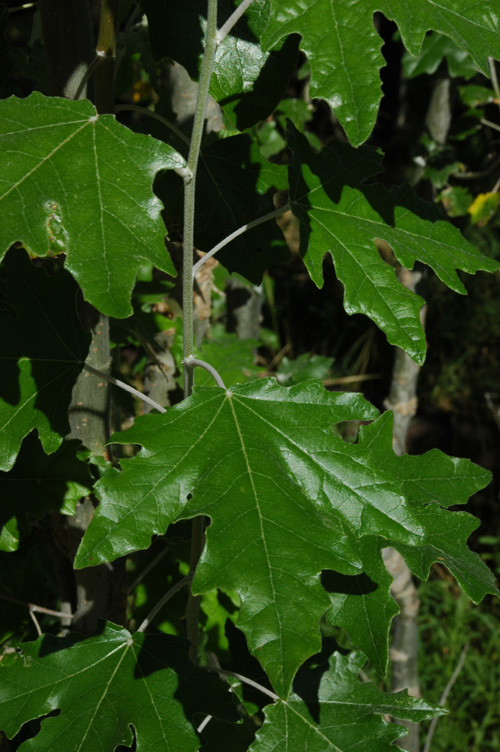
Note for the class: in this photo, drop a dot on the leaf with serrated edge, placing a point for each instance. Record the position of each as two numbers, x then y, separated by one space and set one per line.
263 462
430 482
331 710
77 183
42 350
343 47
103 685
39 482
340 215
362 604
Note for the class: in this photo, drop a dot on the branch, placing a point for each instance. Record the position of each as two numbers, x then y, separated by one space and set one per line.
494 78
93 65
445 694
237 233
193 362
190 188
232 20
198 525
22 7
147 570
125 387
490 124
245 680
34 607
173 590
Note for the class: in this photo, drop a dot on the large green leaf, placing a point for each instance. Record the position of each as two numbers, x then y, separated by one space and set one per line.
39 482
430 482
77 183
331 710
362 604
42 350
103 685
234 185
247 82
284 493
339 214
343 47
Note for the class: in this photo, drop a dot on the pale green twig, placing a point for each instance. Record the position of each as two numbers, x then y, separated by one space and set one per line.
494 78
232 20
124 386
191 361
237 233
445 694
173 590
190 189
245 680
490 124
91 68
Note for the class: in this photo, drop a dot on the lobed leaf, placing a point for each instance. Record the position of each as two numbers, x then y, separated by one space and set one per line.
362 604
430 482
344 50
339 214
77 183
286 497
103 686
331 710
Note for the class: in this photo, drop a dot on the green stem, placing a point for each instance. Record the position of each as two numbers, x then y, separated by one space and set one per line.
494 78
192 361
173 590
190 190
233 20
81 86
126 387
237 233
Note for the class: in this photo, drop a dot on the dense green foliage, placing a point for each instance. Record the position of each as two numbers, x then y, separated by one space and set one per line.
290 518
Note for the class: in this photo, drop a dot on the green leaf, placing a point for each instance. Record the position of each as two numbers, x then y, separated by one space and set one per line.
339 214
77 183
434 49
456 200
105 684
42 350
344 49
37 483
282 490
234 185
247 82
232 358
303 368
430 482
362 604
331 710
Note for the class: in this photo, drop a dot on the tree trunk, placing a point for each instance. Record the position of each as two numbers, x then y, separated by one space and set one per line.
98 592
